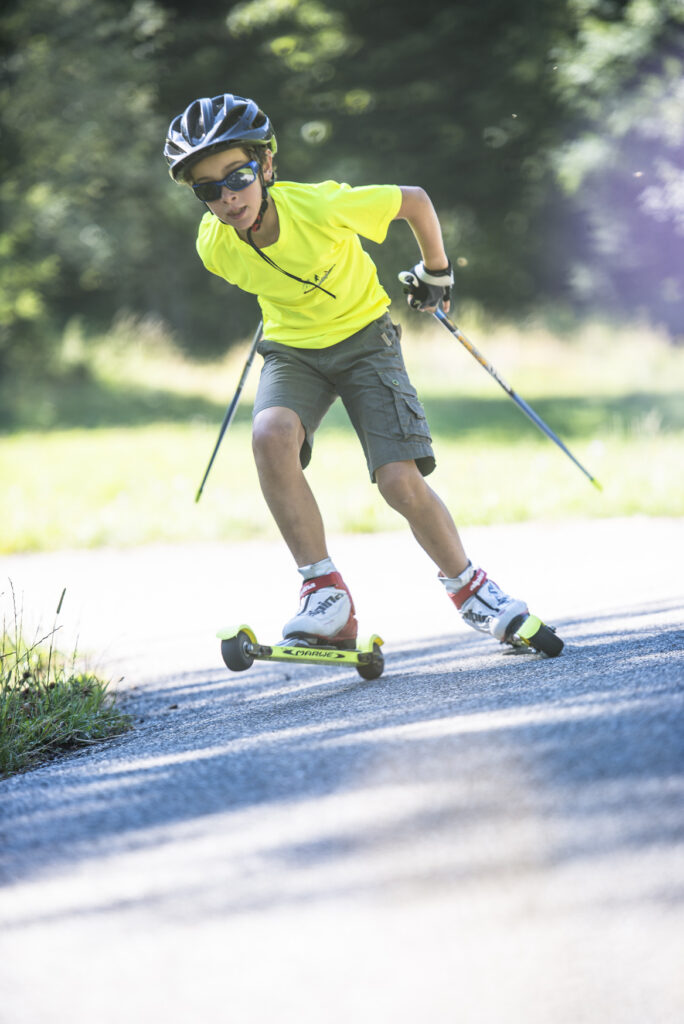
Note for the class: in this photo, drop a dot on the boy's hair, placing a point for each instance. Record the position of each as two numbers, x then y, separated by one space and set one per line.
258 153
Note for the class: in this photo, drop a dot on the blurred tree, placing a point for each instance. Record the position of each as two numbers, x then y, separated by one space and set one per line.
79 132
548 133
357 93
621 78
457 98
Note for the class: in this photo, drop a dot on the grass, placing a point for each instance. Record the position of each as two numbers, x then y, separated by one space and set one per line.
113 453
48 706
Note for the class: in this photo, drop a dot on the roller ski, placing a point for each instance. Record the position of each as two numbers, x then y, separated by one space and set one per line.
486 608
323 632
240 649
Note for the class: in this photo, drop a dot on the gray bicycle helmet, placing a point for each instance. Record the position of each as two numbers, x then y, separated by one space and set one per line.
212 124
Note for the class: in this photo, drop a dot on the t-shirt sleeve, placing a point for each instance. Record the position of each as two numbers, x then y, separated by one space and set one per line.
367 210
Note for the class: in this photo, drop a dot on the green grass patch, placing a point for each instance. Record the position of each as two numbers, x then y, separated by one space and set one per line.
48 706
124 441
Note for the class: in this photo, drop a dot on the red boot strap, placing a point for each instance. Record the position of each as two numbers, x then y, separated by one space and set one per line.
462 595
333 579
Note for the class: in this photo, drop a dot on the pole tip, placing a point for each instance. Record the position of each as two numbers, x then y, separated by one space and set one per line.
596 484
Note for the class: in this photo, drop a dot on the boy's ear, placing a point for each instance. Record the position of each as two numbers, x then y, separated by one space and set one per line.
268 164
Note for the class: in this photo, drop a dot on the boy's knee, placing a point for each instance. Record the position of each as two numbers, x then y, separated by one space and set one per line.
277 433
400 484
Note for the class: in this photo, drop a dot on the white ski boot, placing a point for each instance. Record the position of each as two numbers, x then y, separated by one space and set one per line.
483 605
326 614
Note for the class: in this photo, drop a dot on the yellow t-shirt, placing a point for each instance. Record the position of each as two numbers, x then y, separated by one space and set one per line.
318 241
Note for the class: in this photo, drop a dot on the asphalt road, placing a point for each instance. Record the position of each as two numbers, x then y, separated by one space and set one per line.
475 837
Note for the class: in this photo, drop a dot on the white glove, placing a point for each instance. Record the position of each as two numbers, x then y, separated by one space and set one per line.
426 288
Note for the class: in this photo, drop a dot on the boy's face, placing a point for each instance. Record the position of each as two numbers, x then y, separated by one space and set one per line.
239 209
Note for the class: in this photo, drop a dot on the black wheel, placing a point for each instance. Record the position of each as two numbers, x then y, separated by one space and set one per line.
235 654
372 669
546 641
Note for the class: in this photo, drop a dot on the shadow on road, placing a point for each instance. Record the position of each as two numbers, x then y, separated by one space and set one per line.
301 784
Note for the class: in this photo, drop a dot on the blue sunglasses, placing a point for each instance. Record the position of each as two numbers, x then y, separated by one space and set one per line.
241 177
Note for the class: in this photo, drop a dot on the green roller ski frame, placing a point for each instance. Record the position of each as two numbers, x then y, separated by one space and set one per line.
240 649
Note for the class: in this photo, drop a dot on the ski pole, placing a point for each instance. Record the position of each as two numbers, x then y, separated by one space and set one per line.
440 315
230 411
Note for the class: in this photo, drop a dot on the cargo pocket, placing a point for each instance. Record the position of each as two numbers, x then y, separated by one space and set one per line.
407 416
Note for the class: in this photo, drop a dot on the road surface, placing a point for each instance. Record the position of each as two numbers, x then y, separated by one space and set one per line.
475 837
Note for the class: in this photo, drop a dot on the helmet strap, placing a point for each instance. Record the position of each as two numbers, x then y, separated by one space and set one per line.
264 201
262 209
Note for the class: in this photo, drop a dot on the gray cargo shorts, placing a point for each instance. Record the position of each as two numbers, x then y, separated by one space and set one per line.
367 372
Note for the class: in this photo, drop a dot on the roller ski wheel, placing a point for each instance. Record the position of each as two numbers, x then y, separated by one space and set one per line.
240 649
530 633
236 652
374 667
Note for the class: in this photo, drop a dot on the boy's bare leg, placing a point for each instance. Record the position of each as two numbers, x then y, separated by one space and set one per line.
404 488
276 441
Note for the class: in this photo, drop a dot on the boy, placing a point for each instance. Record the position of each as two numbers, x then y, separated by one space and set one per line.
327 332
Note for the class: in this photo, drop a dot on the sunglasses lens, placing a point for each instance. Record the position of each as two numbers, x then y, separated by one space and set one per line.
241 177
208 192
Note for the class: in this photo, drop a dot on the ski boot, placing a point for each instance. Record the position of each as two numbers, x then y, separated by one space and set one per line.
326 615
486 608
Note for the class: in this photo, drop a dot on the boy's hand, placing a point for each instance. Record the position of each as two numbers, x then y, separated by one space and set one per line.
426 288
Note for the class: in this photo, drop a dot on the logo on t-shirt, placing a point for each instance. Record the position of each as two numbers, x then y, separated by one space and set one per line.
321 279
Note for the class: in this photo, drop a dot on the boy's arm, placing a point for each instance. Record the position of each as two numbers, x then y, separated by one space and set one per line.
417 209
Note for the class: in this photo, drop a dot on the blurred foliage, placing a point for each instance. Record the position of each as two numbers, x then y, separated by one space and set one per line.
622 74
548 132
81 212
